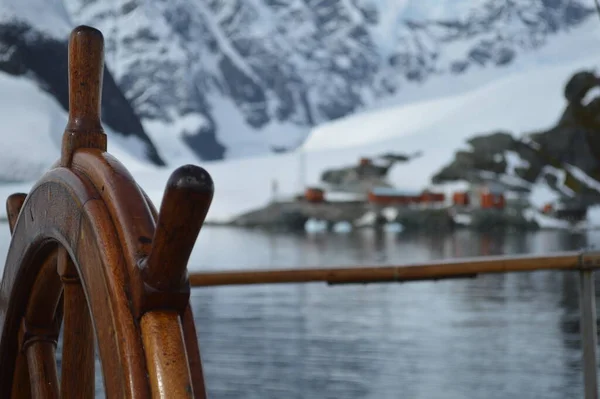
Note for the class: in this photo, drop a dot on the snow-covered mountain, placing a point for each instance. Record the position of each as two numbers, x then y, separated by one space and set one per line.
518 104
226 78
521 102
33 44
241 77
33 122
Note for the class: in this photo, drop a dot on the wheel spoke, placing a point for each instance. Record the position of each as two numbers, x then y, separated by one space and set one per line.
43 377
86 253
21 384
39 331
166 358
77 374
13 206
193 351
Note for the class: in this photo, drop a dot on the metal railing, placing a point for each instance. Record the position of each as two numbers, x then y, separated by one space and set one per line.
584 262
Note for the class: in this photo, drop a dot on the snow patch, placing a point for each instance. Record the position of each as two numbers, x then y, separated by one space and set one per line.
232 132
47 16
475 103
34 123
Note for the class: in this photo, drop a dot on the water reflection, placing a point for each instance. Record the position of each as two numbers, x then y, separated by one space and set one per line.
496 336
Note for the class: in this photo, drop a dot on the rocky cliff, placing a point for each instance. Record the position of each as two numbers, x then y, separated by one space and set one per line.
565 157
27 51
253 76
225 78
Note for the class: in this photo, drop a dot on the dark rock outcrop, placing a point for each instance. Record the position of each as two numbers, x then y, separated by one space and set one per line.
572 147
303 62
45 59
575 139
490 220
294 214
362 176
486 153
430 220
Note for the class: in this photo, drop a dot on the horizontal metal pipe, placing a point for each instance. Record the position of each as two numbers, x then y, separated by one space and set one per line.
468 267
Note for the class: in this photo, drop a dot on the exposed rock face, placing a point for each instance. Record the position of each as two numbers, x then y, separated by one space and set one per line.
288 65
28 52
431 220
489 220
218 78
486 153
572 147
362 177
575 139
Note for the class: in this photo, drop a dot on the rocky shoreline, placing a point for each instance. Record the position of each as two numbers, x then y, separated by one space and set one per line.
294 215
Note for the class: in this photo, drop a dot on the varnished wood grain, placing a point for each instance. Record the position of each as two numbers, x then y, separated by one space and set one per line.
79 222
14 203
42 369
86 70
80 247
134 222
182 212
88 246
193 352
166 356
39 330
422 271
21 384
45 295
77 376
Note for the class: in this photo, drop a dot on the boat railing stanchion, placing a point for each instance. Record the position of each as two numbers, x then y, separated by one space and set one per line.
589 340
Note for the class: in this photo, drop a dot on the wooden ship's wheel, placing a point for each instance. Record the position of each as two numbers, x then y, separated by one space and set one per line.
89 253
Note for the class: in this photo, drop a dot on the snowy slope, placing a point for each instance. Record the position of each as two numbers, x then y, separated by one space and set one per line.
33 46
33 123
438 128
214 78
453 118
572 47
517 98
48 16
249 77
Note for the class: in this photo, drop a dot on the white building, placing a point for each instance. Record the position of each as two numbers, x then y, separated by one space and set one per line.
478 189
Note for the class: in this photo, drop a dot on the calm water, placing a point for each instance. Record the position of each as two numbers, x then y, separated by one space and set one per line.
497 336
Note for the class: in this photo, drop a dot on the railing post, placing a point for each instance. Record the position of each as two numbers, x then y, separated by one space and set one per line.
587 305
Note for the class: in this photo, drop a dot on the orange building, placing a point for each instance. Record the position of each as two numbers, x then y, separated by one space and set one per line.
460 198
390 196
312 194
490 200
431 197
488 195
